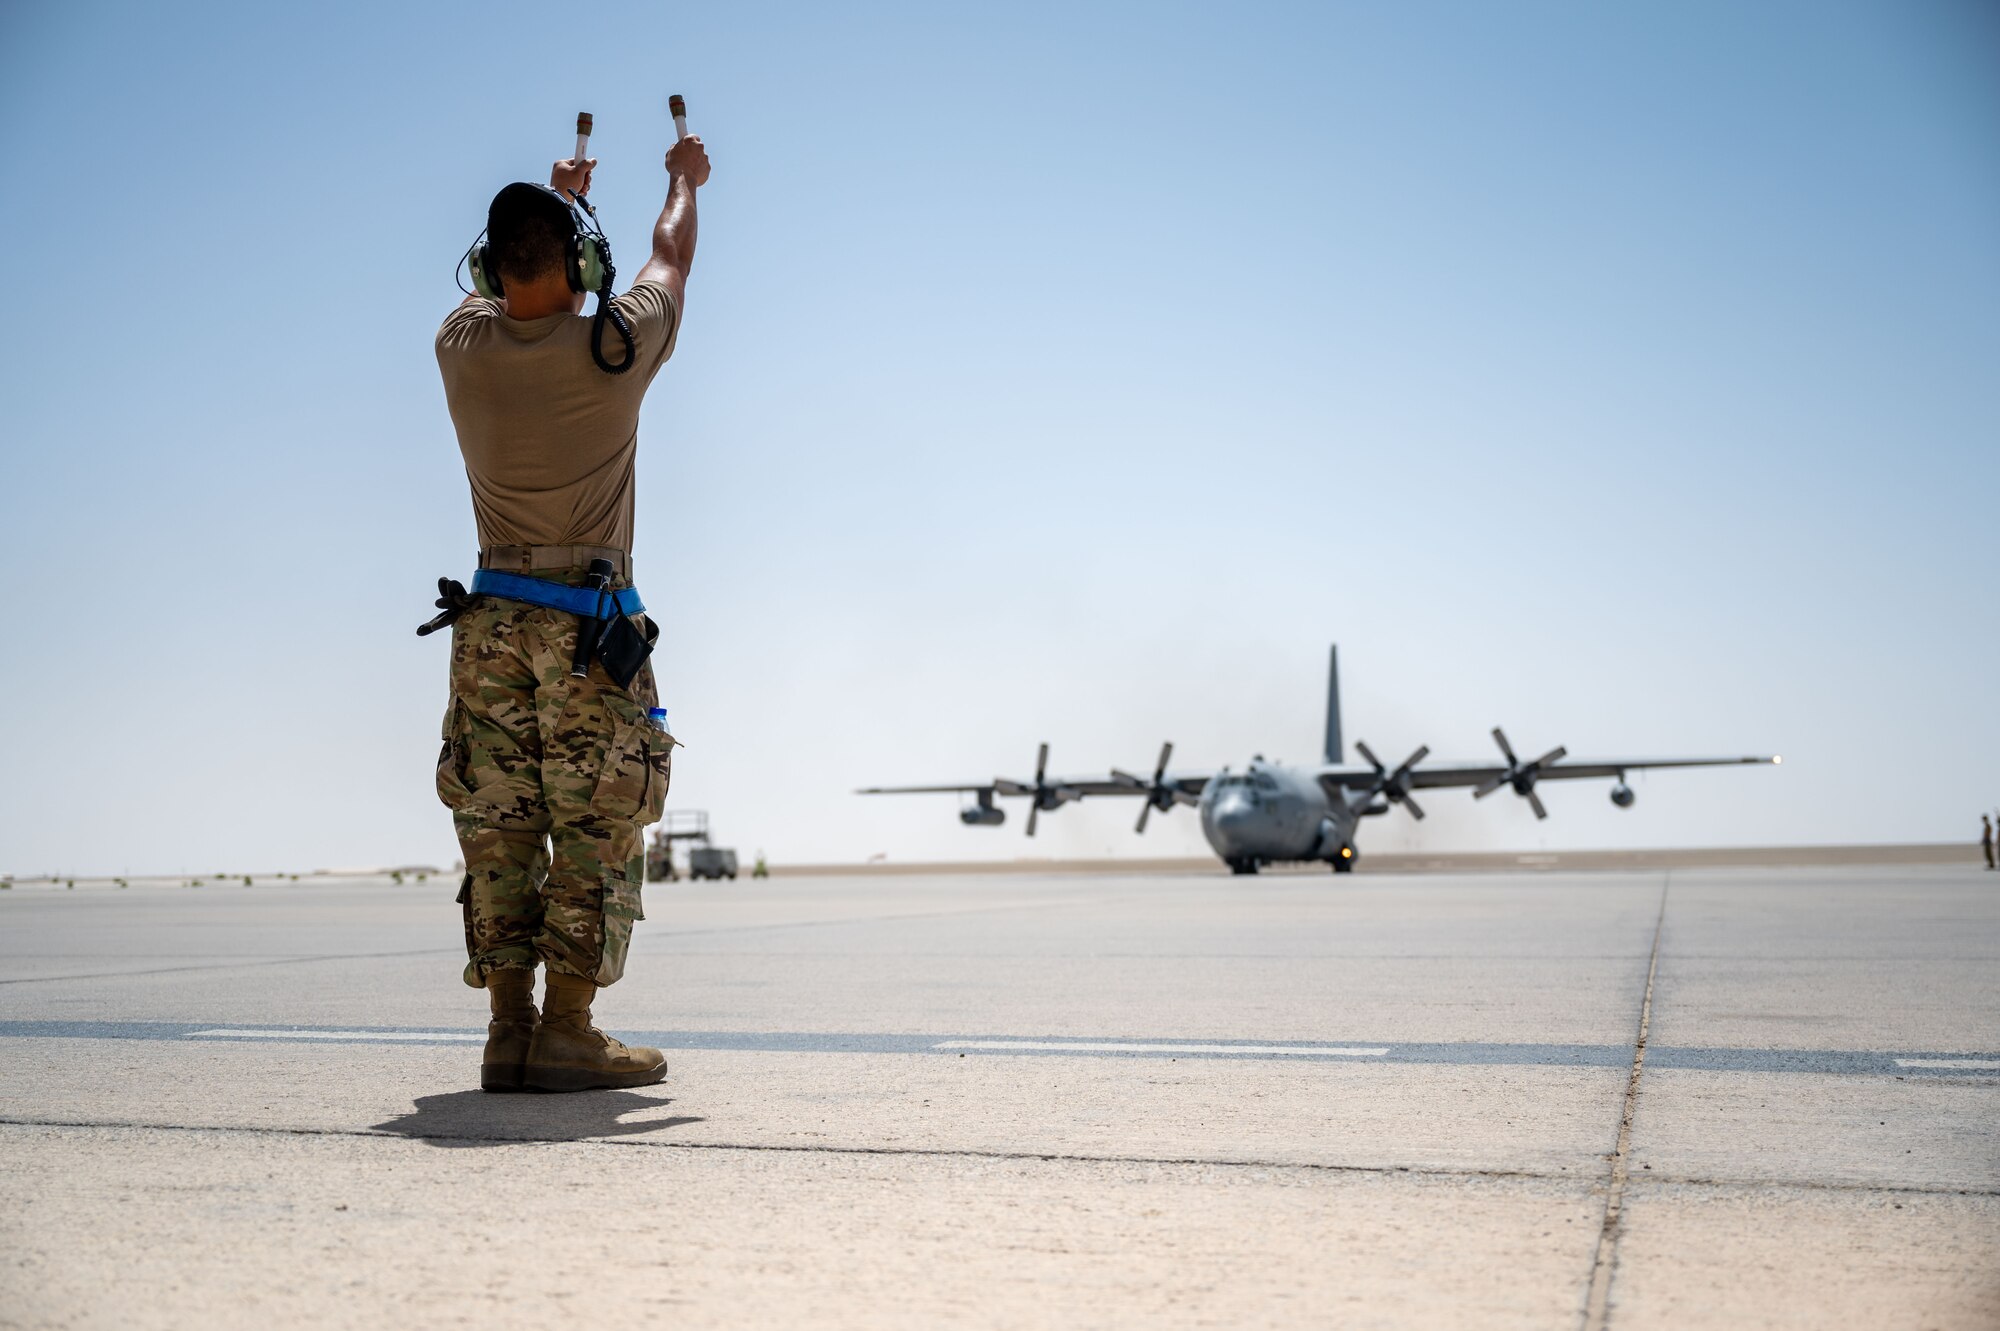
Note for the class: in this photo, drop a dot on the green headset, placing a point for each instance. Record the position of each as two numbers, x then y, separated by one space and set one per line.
586 265
583 258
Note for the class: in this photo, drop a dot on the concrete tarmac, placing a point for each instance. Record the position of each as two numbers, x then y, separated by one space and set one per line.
1699 1098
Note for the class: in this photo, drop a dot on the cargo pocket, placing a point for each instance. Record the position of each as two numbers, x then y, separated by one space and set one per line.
660 757
472 976
638 767
621 909
452 789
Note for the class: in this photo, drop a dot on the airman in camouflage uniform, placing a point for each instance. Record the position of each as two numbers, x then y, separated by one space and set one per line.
551 777
549 780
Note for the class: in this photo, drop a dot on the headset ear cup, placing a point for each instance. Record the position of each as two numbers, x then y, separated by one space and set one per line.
485 278
589 264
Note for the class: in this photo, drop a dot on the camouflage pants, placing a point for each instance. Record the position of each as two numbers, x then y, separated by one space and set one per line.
549 780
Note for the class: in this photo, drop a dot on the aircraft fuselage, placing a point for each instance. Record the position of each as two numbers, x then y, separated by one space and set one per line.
1270 812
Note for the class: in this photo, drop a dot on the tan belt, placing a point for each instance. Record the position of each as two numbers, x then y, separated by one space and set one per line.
530 558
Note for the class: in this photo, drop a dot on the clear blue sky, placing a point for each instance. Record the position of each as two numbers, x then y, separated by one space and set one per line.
1624 374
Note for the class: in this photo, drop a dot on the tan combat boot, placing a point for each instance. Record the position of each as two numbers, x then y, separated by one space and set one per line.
512 993
569 1054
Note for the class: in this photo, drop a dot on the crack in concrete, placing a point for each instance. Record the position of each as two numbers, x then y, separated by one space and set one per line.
1603 1265
1045 1157
920 1152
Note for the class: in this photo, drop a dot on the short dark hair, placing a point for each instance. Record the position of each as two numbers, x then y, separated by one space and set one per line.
528 233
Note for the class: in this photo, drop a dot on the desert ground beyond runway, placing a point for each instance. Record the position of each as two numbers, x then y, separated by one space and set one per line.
1689 1098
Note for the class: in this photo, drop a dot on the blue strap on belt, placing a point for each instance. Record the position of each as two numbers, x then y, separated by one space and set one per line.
555 595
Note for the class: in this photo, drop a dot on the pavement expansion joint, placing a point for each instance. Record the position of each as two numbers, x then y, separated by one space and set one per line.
907 1152
1597 1296
1648 1182
1657 1180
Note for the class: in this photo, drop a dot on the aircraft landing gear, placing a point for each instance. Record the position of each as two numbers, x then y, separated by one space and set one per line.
1243 866
1344 862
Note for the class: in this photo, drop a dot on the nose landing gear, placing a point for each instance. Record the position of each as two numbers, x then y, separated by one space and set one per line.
1243 866
1343 860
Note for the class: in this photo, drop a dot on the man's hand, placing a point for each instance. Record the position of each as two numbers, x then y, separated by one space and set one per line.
570 176
688 159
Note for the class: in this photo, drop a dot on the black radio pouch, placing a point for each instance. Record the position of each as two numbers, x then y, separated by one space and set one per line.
622 649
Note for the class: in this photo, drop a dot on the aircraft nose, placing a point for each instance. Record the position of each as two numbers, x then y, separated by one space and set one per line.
1231 814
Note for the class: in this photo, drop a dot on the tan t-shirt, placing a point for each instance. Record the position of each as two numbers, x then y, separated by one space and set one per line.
549 439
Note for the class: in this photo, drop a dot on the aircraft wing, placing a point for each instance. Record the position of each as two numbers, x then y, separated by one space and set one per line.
1352 776
1073 787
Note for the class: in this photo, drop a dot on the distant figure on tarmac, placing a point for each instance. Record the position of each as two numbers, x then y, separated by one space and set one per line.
1986 838
552 764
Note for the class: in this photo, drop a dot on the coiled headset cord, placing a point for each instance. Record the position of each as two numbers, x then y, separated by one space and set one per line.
605 309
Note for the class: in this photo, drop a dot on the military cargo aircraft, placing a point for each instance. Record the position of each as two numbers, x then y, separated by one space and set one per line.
1274 812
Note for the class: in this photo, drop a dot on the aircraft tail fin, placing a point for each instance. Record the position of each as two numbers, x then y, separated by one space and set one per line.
1333 705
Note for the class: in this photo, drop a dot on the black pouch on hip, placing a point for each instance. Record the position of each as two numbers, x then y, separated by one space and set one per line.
622 649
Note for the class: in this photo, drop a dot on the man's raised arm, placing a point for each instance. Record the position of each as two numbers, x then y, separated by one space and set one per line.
674 233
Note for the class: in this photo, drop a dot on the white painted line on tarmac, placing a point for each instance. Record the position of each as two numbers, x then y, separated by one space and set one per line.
223 1033
1958 1064
1108 1047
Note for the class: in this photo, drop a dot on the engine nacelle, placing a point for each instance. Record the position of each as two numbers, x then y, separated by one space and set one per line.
982 815
1622 796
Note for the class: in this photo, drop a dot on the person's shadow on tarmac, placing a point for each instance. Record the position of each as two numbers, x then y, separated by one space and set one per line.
478 1118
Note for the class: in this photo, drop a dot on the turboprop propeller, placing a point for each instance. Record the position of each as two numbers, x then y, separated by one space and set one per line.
1521 776
1393 786
1160 794
1043 795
